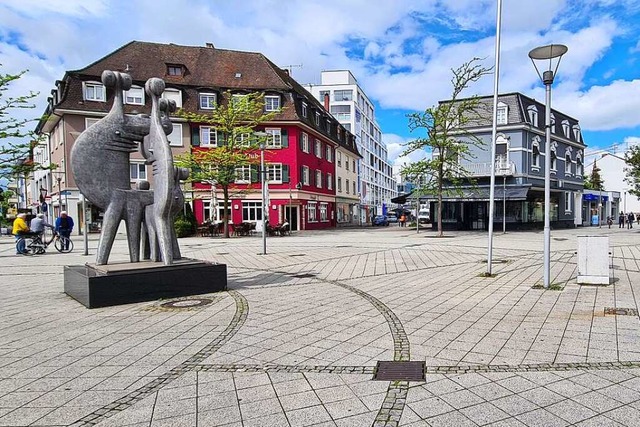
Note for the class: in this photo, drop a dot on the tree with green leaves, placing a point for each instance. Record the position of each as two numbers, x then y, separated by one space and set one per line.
632 171
594 181
235 147
16 142
444 126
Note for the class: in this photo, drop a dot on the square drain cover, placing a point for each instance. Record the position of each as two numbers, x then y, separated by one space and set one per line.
621 311
399 371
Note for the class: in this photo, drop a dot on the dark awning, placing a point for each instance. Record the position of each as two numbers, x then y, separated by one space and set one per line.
401 199
482 194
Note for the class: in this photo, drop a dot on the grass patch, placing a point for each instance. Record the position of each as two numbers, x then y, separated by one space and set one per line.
552 287
485 274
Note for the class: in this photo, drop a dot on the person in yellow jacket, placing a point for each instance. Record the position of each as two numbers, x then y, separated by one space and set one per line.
20 228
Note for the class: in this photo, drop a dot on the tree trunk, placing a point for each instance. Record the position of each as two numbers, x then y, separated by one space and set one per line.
225 204
440 231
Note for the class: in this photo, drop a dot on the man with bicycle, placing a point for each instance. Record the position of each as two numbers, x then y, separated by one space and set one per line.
64 227
38 224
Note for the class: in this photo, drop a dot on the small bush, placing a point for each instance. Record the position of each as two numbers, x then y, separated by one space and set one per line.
183 227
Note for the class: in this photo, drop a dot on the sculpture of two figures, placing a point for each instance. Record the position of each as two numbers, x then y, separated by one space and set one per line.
100 166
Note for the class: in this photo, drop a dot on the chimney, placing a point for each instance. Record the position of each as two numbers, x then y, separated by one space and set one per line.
286 70
326 101
209 45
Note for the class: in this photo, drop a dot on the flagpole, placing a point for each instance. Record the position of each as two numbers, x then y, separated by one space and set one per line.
494 128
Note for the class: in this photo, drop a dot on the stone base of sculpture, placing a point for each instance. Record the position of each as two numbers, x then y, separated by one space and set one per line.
116 284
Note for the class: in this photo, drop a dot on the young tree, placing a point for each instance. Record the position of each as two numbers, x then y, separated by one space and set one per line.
446 138
632 158
234 122
594 181
16 142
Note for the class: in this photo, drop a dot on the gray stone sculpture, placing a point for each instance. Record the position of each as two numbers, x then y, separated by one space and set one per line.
100 166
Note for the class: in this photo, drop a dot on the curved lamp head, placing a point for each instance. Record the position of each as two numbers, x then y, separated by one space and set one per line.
549 52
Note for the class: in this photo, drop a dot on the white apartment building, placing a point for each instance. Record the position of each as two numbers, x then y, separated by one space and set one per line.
350 105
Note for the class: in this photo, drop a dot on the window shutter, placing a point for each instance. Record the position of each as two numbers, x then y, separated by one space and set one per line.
195 136
301 179
220 140
300 141
285 173
285 138
254 173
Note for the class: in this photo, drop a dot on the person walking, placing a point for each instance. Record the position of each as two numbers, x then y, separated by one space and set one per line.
630 218
64 227
638 218
621 220
403 219
20 229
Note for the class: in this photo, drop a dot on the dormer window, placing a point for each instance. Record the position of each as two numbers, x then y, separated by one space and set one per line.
503 110
271 103
317 118
175 70
94 91
134 96
576 133
565 128
304 109
532 110
207 101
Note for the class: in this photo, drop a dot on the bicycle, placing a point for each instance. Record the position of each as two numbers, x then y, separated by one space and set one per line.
37 243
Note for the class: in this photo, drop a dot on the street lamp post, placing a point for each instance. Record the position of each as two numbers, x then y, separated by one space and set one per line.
547 53
265 209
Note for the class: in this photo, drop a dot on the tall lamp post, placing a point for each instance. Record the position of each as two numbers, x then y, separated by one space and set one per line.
547 53
263 185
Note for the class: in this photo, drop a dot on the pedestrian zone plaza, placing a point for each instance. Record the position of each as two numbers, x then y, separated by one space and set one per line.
354 327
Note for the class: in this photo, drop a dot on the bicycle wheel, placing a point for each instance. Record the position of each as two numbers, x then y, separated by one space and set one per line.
62 242
27 244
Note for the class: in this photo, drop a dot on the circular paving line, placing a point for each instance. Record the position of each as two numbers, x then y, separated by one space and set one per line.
125 402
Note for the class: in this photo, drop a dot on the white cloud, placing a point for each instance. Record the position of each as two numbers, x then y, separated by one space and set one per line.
396 146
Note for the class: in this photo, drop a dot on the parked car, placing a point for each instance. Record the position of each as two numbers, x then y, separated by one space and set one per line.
424 217
392 218
380 220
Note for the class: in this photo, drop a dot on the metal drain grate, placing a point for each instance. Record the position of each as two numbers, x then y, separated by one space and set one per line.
187 303
303 275
399 371
620 311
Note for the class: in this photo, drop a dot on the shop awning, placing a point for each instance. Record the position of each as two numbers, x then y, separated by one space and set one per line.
401 199
482 194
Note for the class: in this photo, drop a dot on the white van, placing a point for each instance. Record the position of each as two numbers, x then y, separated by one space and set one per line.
424 216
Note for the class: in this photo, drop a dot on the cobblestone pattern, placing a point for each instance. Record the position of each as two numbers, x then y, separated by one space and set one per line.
538 367
394 401
330 369
240 316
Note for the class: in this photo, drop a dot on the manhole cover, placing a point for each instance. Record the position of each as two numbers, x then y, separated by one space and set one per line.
399 371
303 275
621 311
187 303
297 255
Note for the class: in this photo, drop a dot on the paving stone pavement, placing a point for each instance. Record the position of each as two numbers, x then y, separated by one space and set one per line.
296 339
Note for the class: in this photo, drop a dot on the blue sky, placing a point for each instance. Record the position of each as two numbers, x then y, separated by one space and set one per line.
401 52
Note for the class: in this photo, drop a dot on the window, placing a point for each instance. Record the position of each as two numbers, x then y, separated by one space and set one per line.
134 96
94 91
568 195
346 185
137 171
354 187
565 128
535 149
317 119
243 174
341 112
271 103
312 213
243 140
274 173
339 159
318 178
208 101
502 148
343 95
329 154
579 168
318 149
323 212
502 118
174 95
252 211
238 100
323 93
174 70
304 109
553 123
554 158
346 162
329 181
347 126
339 185
305 142
274 137
576 133
567 163
88 122
353 164
305 175
208 136
532 110
175 137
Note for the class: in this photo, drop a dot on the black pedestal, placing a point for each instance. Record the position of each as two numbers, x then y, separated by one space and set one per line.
115 284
